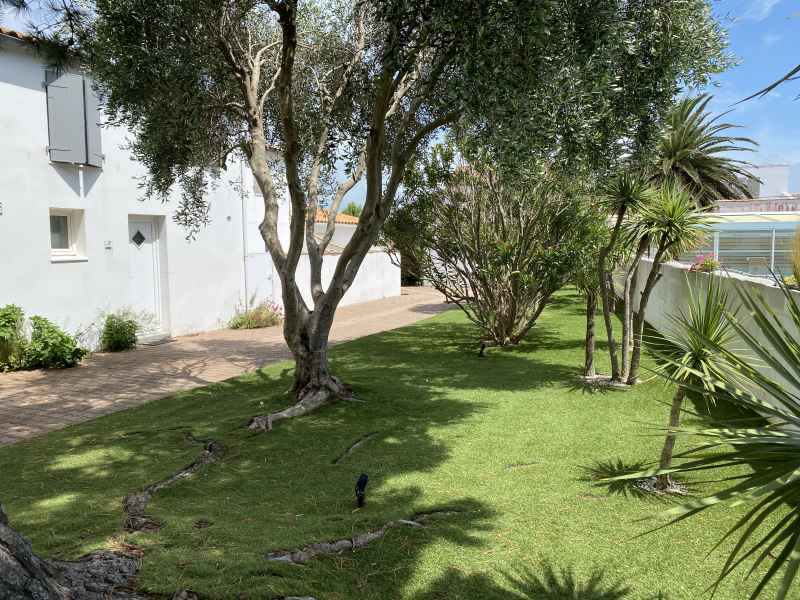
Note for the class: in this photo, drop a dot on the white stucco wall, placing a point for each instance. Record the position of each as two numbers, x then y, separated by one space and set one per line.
671 294
202 281
73 293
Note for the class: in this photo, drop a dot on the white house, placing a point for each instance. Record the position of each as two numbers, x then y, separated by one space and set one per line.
77 238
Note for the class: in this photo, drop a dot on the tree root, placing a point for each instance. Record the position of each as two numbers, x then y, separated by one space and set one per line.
353 447
135 503
305 554
311 398
96 576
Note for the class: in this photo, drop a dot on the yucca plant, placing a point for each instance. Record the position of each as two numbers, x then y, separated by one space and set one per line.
671 224
768 382
688 348
623 195
693 149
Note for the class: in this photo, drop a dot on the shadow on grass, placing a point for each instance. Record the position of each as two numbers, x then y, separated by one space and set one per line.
548 583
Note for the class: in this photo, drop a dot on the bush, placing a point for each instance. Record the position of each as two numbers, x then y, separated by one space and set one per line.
50 347
705 263
12 339
263 315
119 333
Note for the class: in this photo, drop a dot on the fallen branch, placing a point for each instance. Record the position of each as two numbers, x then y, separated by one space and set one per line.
303 555
135 503
354 446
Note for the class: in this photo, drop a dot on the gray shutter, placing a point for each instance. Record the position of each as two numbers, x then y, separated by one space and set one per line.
66 117
94 149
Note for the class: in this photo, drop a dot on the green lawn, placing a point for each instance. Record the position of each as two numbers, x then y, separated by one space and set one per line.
502 439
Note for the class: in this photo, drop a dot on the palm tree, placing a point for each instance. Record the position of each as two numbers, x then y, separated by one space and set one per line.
672 224
688 349
767 382
693 149
623 195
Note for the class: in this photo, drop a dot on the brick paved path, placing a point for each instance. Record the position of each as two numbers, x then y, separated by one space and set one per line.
34 402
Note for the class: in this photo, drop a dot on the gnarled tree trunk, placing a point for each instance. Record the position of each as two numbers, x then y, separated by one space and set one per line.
26 576
627 305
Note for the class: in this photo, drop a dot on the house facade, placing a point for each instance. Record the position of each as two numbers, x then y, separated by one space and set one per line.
78 239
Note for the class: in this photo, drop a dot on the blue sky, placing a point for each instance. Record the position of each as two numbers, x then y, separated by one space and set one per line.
764 36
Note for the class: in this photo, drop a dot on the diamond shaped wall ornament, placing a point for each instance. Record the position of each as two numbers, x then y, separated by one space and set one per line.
138 238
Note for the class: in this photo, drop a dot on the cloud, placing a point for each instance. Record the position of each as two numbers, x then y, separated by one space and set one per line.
759 9
770 39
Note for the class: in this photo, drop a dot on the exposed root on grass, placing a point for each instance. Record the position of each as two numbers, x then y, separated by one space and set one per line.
354 446
305 554
135 503
311 398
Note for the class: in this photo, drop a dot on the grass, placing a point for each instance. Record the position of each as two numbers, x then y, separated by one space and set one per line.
502 439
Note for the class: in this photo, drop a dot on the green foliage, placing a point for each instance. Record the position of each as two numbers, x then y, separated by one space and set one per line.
705 263
119 332
764 379
352 209
695 333
497 247
266 314
50 347
672 220
694 149
12 339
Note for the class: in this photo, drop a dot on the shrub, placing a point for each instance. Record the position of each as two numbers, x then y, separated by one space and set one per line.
50 347
12 339
266 314
119 332
705 263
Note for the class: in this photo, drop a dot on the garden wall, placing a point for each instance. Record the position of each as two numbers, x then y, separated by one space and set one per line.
671 296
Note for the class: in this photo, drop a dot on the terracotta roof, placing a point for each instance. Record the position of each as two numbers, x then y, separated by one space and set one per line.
23 37
341 218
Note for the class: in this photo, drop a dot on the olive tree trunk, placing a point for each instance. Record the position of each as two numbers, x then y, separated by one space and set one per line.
26 576
664 481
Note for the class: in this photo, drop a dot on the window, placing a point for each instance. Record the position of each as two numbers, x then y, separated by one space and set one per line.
59 232
73 120
66 235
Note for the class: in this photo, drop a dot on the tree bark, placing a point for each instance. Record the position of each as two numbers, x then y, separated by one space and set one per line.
26 576
639 317
314 384
665 481
605 294
631 276
591 309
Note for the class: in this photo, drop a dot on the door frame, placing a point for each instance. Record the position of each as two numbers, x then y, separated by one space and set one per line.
159 272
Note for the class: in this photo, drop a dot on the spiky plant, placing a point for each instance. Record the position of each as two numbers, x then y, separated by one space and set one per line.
693 149
766 381
688 348
671 225
623 195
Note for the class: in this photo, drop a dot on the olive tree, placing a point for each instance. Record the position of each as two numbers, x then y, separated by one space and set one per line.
301 87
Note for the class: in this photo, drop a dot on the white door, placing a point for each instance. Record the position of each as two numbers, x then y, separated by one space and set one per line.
143 274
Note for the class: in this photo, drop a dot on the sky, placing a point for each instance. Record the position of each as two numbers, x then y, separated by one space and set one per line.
764 37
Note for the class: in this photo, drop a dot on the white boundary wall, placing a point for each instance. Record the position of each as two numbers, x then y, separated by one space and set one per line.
671 296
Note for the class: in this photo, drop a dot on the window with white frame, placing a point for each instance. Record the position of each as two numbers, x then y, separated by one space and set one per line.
66 234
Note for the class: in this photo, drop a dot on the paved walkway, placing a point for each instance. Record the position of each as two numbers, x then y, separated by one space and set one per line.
35 402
